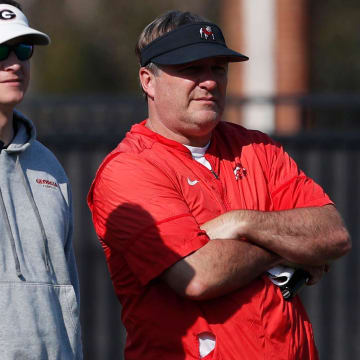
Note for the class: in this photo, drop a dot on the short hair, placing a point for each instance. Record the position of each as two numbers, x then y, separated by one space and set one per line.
11 2
161 25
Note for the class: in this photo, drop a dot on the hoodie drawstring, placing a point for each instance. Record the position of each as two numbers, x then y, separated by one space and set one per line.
11 236
37 214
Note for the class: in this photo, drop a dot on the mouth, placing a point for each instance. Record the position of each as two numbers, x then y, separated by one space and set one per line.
12 82
207 103
207 99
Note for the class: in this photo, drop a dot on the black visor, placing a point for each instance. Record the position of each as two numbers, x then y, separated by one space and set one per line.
189 43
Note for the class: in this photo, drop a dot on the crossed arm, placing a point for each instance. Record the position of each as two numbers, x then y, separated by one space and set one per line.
246 243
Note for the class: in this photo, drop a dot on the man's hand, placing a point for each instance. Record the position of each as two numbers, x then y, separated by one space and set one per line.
247 243
309 236
225 226
316 273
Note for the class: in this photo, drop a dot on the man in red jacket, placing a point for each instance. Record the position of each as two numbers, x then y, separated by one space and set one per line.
201 220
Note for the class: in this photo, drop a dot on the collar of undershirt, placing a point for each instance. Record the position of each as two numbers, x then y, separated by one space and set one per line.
198 152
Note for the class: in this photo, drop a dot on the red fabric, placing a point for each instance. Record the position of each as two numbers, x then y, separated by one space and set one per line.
147 217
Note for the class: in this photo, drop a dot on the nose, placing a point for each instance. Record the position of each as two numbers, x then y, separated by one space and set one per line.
12 63
208 80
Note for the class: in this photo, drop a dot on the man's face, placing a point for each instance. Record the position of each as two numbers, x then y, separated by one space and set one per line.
14 79
189 99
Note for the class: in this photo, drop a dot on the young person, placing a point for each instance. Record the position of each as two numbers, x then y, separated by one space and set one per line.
39 290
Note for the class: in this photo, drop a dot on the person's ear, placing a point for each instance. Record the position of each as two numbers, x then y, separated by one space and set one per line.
147 80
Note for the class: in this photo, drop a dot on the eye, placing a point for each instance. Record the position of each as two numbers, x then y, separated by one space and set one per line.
191 69
220 69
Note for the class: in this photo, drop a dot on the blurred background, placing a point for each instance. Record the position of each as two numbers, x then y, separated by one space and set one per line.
301 85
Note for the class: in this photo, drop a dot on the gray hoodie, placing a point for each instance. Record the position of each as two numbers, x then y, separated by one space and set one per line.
39 291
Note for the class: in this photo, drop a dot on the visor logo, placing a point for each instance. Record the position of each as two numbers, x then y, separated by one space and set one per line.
206 32
7 15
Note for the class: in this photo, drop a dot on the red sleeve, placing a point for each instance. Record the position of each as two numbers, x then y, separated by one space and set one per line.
139 212
290 187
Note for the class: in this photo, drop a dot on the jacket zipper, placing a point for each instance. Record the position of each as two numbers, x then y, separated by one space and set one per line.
225 203
215 174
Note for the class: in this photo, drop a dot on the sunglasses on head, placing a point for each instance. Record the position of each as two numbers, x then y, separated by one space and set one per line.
22 51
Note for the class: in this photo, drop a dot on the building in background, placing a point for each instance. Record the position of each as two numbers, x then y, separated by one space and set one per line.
303 72
274 35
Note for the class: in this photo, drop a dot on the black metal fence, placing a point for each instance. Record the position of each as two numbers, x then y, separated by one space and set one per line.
82 131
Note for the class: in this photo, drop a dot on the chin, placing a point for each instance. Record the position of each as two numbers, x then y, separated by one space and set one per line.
206 126
11 100
209 118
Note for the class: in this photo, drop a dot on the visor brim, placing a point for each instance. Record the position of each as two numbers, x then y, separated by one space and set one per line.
197 52
10 32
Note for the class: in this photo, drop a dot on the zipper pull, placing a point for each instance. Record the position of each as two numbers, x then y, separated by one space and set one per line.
214 173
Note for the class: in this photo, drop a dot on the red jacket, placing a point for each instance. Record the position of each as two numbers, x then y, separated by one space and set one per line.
148 200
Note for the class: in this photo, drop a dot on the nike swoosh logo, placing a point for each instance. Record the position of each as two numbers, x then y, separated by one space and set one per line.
192 183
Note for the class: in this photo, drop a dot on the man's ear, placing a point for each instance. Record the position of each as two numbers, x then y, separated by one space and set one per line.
147 80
